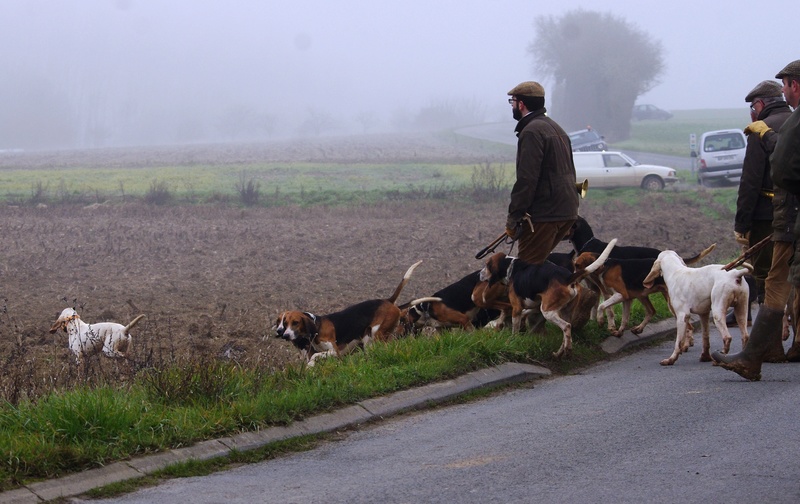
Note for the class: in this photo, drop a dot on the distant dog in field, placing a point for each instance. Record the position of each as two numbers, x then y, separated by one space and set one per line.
86 340
340 332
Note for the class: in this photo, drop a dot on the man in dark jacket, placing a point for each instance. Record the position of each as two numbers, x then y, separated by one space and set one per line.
754 212
785 167
544 199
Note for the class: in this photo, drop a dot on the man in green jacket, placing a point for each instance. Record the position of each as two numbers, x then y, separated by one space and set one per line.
544 199
785 165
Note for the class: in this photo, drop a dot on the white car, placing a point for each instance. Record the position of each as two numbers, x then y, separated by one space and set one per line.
615 169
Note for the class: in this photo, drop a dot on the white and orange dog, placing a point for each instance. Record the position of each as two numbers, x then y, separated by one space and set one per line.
86 340
708 290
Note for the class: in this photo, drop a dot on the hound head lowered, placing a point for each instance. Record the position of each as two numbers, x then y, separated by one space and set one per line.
655 272
495 269
67 315
293 325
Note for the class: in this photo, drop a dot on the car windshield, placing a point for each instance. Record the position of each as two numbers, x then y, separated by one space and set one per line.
618 160
723 142
629 159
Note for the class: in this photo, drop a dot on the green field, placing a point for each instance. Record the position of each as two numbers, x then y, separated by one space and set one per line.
280 182
672 136
206 183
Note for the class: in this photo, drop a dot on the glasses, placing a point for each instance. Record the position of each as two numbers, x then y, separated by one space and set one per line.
512 100
753 105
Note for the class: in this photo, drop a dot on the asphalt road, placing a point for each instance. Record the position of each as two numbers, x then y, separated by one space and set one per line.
626 431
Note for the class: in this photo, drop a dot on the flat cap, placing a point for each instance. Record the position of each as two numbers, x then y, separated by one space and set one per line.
764 89
790 70
528 88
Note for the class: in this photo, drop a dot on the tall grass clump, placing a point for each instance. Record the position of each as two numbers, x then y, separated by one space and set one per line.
488 182
159 193
249 190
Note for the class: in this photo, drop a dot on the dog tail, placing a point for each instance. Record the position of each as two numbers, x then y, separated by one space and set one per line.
601 259
403 282
133 323
420 301
694 259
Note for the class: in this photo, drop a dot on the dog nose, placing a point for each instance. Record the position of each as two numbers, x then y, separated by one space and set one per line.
279 332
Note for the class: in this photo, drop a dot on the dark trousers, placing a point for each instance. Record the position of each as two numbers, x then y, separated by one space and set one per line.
534 246
762 261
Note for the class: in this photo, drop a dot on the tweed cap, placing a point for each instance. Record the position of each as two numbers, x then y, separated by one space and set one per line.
528 88
764 89
790 70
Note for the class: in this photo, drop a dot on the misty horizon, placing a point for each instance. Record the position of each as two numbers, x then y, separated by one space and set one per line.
95 73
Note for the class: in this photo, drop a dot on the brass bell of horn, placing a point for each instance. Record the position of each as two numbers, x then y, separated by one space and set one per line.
582 187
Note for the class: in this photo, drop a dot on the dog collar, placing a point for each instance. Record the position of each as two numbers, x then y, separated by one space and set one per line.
587 243
509 271
314 320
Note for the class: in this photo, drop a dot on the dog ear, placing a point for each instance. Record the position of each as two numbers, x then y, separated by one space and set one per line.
655 272
498 267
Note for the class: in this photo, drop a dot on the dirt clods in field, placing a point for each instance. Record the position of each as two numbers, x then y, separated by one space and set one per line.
211 280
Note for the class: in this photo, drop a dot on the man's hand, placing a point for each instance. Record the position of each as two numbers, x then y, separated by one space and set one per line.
742 238
512 228
759 127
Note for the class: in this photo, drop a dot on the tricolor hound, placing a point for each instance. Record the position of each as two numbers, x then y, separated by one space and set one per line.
546 286
340 332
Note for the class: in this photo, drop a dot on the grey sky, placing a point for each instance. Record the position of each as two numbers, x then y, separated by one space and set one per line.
349 57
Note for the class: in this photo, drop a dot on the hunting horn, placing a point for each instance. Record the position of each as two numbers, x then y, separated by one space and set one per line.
582 187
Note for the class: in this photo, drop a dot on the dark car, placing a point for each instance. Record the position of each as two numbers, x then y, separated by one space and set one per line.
587 140
642 112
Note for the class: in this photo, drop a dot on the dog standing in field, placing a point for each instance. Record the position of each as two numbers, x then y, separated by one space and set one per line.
704 291
339 333
86 340
545 286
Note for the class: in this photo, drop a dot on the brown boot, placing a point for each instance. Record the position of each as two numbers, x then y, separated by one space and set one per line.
747 363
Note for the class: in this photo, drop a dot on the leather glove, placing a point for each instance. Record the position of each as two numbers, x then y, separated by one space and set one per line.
759 127
742 238
512 228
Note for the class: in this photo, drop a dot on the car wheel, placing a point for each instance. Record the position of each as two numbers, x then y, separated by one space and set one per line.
652 183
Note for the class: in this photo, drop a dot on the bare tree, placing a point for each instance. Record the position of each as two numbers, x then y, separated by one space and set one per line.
600 64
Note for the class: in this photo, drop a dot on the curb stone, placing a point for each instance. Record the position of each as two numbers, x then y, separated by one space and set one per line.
362 412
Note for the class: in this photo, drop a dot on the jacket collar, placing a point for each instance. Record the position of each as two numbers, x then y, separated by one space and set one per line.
528 118
771 108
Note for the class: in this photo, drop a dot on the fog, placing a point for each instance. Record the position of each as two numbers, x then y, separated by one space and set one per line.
94 73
